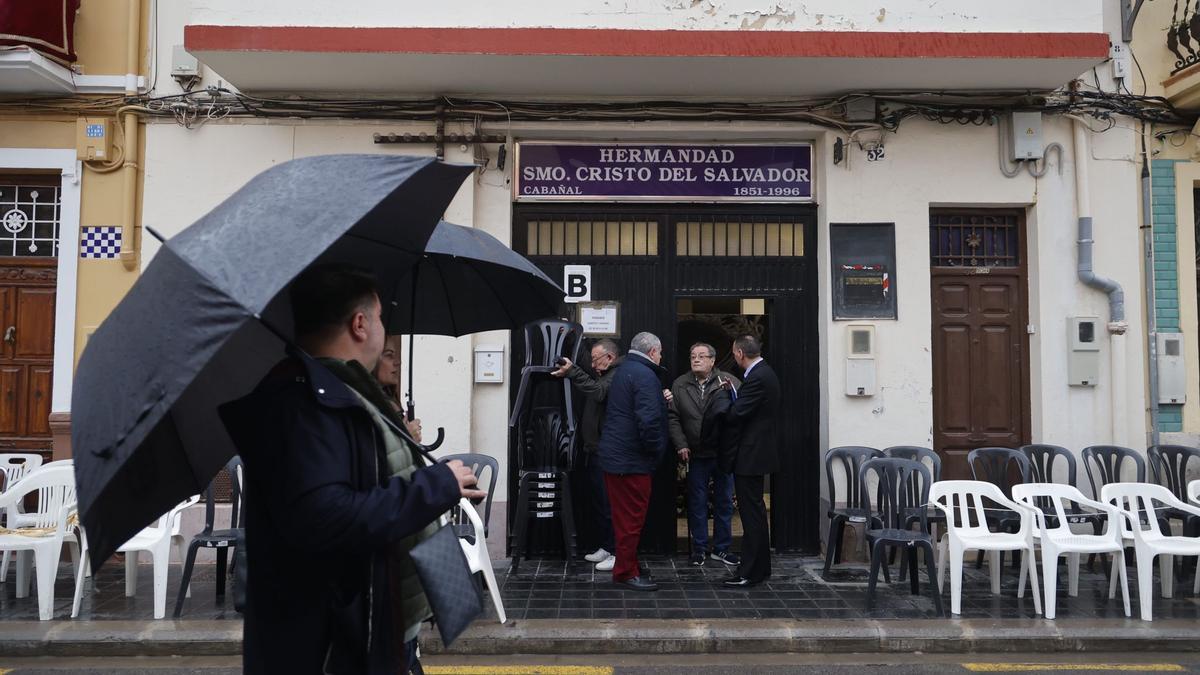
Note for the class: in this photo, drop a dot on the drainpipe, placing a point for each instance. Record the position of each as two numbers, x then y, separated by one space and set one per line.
129 169
1148 282
1116 297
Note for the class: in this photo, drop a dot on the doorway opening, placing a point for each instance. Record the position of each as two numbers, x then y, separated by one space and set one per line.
716 322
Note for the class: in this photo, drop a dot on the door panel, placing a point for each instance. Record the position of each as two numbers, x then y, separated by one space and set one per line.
37 414
11 386
34 321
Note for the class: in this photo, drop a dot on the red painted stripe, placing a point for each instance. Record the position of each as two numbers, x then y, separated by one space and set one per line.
660 43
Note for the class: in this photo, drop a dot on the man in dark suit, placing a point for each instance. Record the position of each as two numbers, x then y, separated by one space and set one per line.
755 416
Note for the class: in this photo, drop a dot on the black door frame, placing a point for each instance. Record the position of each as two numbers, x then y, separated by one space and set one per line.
791 291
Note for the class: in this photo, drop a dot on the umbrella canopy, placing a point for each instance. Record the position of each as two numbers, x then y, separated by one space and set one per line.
466 282
208 318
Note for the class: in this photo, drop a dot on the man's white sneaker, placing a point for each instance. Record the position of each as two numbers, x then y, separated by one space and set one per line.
599 555
607 564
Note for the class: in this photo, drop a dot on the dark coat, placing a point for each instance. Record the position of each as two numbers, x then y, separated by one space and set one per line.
689 413
320 514
755 416
634 436
595 399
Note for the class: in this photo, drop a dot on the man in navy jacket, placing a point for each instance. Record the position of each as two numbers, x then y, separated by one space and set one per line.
321 509
632 443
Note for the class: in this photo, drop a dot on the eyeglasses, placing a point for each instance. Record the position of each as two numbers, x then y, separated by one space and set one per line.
597 358
701 356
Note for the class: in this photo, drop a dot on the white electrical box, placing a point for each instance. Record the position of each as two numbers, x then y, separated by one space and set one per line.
1027 136
860 360
1172 371
1083 351
489 363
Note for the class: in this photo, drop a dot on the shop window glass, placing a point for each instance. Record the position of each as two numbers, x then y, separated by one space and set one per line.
749 239
591 238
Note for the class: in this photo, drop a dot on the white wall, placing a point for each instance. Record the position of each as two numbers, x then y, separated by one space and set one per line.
855 15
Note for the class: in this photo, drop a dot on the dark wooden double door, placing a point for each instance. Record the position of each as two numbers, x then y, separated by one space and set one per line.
650 275
27 301
980 348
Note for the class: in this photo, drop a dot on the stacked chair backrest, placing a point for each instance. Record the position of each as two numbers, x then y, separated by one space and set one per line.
996 465
903 484
1170 464
1104 464
849 458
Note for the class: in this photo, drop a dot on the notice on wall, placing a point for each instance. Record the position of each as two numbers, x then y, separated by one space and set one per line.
620 171
600 319
863 261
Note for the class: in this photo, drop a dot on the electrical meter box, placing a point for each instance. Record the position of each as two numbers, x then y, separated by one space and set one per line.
1027 140
93 139
1172 371
489 363
1083 351
860 360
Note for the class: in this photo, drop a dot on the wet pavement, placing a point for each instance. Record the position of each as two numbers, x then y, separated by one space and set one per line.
546 590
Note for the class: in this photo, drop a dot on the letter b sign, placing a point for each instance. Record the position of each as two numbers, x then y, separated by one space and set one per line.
577 282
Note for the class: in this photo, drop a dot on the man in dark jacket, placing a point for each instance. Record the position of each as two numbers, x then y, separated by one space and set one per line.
605 357
632 443
755 416
320 510
693 397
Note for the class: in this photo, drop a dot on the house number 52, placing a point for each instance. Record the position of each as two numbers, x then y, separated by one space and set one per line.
875 153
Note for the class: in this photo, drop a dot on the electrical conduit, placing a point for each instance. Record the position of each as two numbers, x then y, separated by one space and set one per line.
130 239
1116 296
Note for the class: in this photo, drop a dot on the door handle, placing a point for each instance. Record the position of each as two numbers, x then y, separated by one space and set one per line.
10 334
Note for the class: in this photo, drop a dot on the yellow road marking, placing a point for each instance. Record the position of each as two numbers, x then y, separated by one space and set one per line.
1028 667
516 670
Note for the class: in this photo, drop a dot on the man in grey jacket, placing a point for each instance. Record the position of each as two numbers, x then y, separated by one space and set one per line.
605 357
693 396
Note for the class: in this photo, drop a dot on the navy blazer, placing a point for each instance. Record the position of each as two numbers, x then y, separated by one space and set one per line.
321 512
634 436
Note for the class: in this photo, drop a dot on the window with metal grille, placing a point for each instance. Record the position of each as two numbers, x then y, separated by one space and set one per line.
974 240
29 214
592 238
760 238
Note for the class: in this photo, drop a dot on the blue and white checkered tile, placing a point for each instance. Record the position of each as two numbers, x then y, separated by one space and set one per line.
100 242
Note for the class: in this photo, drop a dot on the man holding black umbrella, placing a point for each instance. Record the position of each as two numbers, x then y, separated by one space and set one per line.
319 464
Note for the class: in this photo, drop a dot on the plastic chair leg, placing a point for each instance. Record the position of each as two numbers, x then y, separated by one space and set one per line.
1021 582
1112 576
568 524
222 570
1029 560
187 576
23 573
1145 572
80 574
934 585
1166 574
994 564
131 573
911 559
878 551
4 567
1119 564
831 546
1073 575
956 572
1050 579
489 577
943 554
161 565
181 554
46 561
520 522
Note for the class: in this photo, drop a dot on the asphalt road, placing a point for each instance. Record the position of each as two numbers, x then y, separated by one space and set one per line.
713 664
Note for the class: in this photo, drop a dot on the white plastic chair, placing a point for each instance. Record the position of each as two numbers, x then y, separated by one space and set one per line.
477 556
14 466
1136 501
155 540
1059 540
966 530
44 536
1194 492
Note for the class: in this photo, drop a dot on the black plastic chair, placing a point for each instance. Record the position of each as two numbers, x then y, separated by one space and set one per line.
849 458
1104 464
996 466
545 342
915 511
1047 464
478 463
543 462
901 482
221 540
1169 466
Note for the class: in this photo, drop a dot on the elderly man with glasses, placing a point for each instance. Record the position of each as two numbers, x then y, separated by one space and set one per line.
699 397
605 357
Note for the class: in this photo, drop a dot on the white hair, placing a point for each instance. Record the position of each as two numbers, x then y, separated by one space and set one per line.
644 342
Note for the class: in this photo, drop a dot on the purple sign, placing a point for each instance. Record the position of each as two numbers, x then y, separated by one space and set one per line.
576 172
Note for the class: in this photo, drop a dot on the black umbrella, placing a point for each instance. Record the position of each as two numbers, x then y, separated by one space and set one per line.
467 282
208 318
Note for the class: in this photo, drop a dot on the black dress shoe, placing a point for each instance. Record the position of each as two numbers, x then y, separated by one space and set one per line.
638 584
739 582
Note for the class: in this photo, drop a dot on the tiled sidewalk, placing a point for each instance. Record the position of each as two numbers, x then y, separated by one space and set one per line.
544 590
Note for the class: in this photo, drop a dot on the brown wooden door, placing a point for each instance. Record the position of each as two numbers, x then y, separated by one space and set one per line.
980 355
26 352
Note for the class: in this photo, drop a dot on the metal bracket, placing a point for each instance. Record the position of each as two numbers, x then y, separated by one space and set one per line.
1129 15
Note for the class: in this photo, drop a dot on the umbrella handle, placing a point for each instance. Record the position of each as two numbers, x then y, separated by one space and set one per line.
437 442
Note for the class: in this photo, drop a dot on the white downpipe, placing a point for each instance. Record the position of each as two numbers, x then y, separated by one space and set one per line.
1116 296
